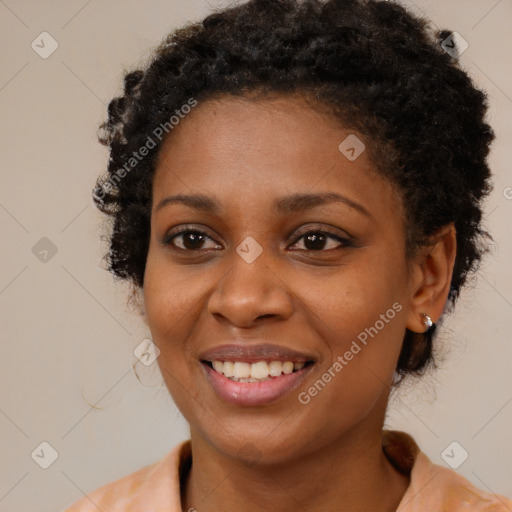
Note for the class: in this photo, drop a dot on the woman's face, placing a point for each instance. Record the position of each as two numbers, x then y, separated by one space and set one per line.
279 262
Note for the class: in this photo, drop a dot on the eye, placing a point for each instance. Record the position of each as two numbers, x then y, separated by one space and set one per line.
194 240
191 239
315 240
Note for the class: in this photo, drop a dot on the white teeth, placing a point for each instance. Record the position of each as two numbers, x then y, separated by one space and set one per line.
275 368
218 366
287 367
250 379
256 372
242 370
228 369
259 370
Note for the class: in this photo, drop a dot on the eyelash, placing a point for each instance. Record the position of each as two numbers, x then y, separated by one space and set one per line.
345 242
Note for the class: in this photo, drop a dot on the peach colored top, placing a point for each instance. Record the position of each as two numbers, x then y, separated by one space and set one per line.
433 488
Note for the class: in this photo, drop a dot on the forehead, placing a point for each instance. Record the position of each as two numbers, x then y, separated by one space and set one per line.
243 149
286 127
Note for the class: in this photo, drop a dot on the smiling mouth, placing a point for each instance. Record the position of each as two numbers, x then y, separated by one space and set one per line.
260 371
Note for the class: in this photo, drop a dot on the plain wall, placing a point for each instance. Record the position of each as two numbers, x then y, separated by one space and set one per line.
67 335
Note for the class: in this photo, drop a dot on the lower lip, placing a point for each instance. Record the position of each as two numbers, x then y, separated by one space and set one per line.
254 393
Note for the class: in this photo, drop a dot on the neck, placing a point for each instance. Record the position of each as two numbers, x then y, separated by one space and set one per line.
351 474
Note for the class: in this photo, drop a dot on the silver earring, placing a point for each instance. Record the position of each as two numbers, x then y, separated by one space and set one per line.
427 321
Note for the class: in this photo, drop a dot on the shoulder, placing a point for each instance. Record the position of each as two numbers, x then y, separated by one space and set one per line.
453 490
114 495
153 486
434 487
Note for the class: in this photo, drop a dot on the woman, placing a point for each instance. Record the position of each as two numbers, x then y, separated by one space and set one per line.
296 194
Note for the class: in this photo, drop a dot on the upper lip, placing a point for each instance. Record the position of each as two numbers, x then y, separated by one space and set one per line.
254 353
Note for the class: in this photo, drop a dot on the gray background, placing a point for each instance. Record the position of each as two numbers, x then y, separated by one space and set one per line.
67 335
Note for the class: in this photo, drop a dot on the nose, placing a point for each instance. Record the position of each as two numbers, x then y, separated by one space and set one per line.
250 292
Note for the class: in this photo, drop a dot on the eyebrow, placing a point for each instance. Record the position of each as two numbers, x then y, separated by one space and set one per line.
287 205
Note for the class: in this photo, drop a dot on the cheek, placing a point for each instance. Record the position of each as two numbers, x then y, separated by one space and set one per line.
364 341
169 294
169 307
359 312
355 296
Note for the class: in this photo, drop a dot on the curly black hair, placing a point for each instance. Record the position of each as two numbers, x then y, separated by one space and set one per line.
375 67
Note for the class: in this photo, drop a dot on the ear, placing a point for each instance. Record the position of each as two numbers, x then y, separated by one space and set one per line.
431 276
